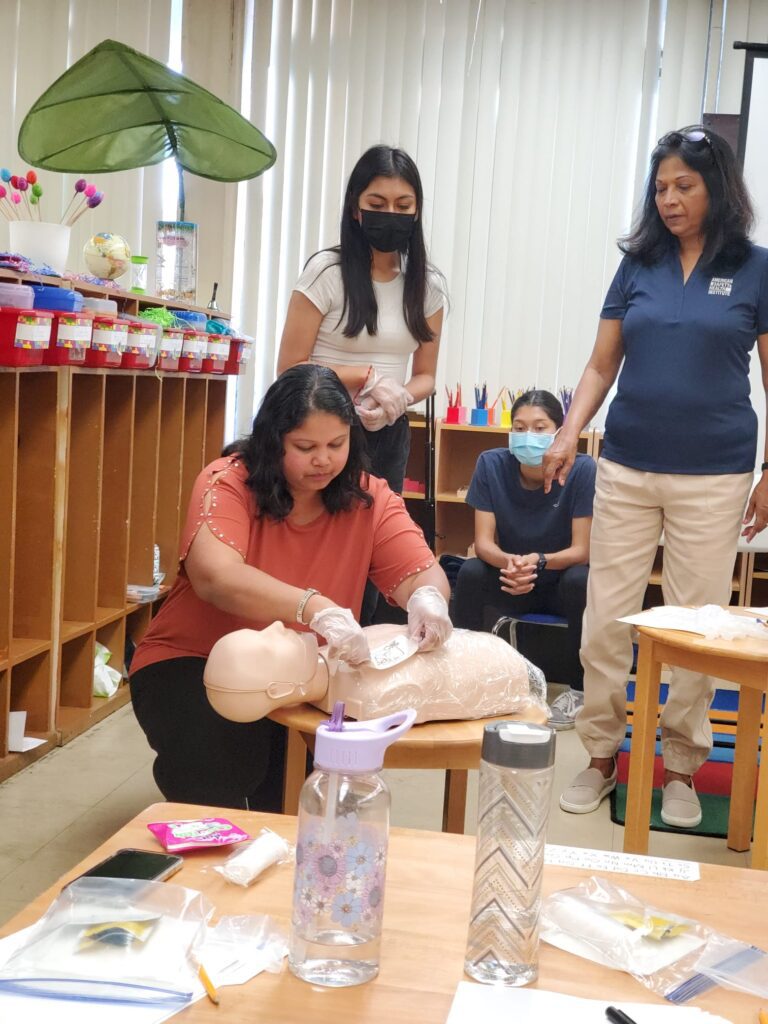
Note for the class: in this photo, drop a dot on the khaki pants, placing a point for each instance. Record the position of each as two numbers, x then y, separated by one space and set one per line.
701 517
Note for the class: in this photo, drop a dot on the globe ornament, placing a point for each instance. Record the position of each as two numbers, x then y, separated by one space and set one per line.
107 256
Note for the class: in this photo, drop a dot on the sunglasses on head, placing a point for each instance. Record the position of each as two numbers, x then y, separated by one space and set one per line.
692 134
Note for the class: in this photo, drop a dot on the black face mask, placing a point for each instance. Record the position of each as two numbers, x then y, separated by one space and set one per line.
387 232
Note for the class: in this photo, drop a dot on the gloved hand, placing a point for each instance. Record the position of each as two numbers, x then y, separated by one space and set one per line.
372 419
428 620
390 396
345 636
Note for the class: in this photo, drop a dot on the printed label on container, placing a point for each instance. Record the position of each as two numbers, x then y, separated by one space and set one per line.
218 346
245 351
32 332
109 338
194 348
139 341
171 345
73 333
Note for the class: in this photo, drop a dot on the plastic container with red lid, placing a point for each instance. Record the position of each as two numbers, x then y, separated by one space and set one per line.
170 348
216 353
193 351
24 335
240 351
139 351
108 341
70 338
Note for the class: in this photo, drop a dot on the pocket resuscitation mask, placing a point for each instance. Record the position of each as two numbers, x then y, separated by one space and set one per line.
528 447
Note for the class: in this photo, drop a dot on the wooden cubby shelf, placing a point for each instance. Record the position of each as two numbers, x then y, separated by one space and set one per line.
95 470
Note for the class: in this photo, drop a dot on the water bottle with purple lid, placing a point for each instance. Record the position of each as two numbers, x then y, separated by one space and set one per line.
341 852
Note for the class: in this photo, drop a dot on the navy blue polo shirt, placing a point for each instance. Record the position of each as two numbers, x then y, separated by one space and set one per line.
682 402
526 520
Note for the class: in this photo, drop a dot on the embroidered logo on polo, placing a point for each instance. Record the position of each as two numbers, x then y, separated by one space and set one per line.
720 286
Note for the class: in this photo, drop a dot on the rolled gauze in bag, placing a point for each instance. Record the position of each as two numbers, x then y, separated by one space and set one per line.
245 865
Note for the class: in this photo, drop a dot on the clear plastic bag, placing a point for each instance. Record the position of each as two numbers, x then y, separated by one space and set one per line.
112 940
471 675
675 957
241 946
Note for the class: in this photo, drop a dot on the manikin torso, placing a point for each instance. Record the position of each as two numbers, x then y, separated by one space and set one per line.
473 675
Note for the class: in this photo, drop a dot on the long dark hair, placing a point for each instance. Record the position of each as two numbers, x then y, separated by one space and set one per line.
544 400
729 218
295 394
354 252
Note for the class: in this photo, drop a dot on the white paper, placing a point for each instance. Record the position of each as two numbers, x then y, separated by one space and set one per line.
622 863
393 652
709 620
18 743
494 1004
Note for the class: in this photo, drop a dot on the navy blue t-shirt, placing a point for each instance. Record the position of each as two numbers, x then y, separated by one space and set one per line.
526 520
682 403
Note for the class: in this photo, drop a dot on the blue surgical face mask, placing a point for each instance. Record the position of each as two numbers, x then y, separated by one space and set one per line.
528 448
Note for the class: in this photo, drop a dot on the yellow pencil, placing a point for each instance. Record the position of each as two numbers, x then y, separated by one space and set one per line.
210 991
210 988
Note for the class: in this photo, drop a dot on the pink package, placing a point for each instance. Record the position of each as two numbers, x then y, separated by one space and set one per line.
196 833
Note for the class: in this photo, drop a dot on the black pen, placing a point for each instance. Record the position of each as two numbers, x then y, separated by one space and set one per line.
618 1016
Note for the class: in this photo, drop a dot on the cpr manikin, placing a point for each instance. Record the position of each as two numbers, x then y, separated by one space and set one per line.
250 672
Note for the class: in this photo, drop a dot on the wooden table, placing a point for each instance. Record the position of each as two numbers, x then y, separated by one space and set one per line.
454 746
429 881
743 661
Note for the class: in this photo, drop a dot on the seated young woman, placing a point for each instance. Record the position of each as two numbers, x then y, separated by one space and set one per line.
532 548
286 526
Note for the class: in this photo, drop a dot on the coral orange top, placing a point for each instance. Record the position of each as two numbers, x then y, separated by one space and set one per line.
336 554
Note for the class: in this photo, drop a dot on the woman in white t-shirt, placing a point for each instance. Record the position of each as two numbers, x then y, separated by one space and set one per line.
372 304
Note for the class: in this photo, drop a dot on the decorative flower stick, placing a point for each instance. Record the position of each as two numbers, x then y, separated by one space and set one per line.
91 203
80 186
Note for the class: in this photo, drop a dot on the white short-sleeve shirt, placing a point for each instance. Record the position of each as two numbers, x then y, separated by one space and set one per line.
390 349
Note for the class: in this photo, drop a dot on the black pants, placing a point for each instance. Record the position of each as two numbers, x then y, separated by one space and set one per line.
203 758
478 588
388 450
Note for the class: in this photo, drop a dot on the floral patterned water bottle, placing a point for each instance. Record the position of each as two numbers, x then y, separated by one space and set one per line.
341 852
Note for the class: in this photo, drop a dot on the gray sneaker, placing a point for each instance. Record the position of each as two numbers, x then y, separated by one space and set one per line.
563 710
587 791
680 805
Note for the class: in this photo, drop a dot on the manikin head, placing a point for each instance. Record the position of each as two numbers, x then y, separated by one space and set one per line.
251 672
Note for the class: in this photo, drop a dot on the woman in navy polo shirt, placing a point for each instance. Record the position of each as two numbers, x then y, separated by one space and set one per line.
688 302
532 547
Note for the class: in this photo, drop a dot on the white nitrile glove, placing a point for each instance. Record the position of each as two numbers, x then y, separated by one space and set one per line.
428 620
390 396
345 636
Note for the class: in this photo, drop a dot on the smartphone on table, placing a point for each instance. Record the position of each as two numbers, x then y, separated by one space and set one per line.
146 865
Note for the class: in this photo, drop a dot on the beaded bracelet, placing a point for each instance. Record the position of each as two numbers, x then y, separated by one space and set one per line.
309 592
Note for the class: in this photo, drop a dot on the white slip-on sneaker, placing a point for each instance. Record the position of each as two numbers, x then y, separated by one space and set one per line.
680 805
587 791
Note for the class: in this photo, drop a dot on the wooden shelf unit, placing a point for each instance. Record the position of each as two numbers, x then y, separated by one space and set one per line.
95 469
128 303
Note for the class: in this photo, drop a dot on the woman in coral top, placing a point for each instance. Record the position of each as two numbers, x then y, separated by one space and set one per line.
286 526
